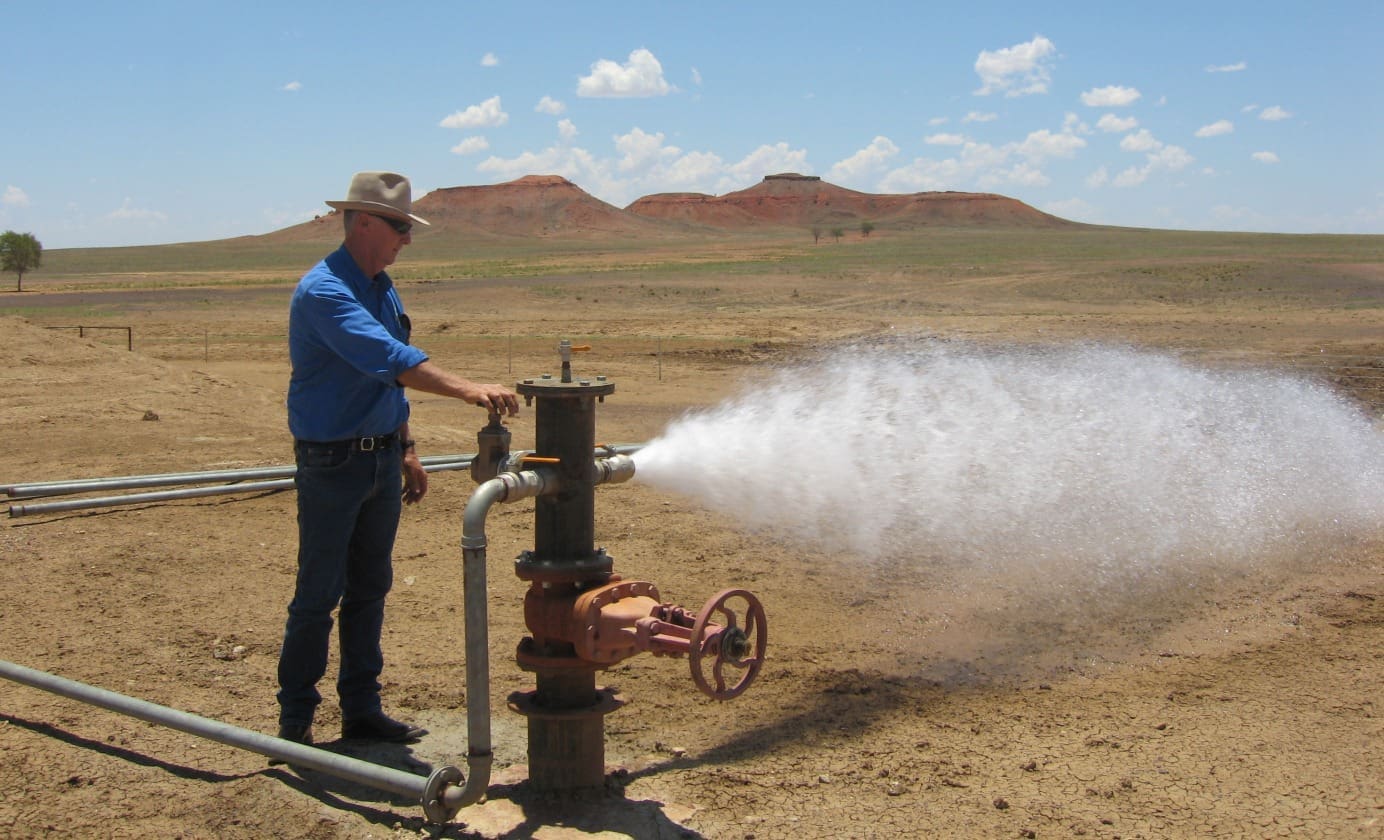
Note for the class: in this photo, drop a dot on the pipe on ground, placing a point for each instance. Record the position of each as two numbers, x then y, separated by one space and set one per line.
437 793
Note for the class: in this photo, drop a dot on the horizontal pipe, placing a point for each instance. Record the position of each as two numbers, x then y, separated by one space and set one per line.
432 792
17 511
39 489
36 490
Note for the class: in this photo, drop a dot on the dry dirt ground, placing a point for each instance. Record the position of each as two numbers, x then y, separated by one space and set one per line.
1249 706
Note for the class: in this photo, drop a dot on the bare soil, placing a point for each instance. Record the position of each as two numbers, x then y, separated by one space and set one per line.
1247 706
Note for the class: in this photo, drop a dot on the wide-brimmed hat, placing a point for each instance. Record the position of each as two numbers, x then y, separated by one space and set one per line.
383 193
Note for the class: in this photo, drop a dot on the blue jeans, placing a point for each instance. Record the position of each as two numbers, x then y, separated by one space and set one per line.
348 514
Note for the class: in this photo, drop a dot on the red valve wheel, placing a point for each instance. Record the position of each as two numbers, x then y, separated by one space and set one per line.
729 644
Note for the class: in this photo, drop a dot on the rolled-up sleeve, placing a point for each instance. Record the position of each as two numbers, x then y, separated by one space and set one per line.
348 345
351 333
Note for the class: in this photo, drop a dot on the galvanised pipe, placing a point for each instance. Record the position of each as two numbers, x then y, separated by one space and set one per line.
36 490
437 793
185 493
506 487
17 511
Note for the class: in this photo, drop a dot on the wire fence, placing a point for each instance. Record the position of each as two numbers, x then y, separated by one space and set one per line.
1360 374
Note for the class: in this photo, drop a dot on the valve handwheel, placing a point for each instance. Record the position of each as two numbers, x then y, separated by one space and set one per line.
730 643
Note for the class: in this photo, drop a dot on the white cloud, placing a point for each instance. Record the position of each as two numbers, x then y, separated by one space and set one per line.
1131 177
938 121
1018 70
549 105
696 77
128 212
1098 179
490 59
293 87
1265 157
865 162
640 150
471 145
1216 129
574 164
1140 141
980 117
14 197
768 160
1227 68
1112 124
1021 174
566 129
945 139
1042 144
926 174
987 165
641 76
488 114
1249 108
1110 96
1274 113
1159 157
1171 158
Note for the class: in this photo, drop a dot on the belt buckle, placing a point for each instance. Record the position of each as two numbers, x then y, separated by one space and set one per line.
367 444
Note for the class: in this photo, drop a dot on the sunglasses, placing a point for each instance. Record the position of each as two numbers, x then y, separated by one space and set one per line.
400 227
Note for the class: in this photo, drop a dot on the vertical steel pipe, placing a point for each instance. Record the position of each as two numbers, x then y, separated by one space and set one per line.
566 711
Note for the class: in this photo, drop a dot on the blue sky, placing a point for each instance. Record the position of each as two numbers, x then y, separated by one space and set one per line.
151 122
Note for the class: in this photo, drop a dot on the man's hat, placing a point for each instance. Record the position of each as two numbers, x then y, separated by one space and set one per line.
382 193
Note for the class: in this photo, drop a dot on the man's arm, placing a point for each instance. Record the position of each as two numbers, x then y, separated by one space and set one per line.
428 377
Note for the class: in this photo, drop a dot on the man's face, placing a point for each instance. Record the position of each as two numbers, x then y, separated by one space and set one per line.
385 239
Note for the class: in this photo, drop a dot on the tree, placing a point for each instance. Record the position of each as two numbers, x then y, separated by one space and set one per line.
837 233
19 252
866 228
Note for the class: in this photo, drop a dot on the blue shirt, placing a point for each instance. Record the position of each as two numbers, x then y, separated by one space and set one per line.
348 342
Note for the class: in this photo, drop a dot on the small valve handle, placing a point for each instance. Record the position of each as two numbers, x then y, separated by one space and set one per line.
565 349
712 647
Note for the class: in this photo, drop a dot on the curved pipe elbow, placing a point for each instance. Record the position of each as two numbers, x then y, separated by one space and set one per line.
477 779
505 487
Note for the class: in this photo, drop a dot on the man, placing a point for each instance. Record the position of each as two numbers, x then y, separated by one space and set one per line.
348 341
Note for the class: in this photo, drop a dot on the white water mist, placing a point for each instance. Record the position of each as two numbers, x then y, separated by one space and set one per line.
1091 460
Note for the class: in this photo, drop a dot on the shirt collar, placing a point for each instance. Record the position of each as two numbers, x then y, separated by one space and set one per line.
344 265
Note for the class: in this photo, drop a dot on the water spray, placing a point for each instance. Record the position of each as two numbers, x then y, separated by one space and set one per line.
1088 466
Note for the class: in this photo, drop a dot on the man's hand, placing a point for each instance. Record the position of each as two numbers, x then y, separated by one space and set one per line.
426 376
496 399
415 478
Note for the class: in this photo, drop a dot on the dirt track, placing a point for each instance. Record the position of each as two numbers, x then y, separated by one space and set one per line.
1247 705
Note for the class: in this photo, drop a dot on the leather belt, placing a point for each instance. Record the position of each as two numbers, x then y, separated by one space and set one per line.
359 444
